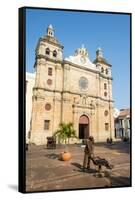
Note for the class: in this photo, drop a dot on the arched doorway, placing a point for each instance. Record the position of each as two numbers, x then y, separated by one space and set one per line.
83 127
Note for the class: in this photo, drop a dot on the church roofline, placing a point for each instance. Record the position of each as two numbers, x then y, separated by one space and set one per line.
80 66
88 69
55 42
72 64
101 60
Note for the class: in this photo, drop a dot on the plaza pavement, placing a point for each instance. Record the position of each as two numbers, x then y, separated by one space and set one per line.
45 172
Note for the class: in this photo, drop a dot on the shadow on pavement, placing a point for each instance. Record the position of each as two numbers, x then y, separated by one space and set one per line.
80 169
120 181
121 147
52 156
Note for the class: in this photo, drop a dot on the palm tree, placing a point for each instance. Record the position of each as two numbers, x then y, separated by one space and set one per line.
65 131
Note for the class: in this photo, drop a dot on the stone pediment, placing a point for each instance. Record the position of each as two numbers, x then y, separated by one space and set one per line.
81 58
78 60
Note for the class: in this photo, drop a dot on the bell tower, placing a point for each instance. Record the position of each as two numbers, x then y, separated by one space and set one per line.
99 53
48 87
105 93
48 57
50 31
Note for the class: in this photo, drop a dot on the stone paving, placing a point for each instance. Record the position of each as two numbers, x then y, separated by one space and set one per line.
45 172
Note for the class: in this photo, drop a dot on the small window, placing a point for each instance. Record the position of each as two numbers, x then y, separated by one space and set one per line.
47 51
50 33
106 71
106 112
50 71
46 124
105 94
54 53
107 126
105 86
102 70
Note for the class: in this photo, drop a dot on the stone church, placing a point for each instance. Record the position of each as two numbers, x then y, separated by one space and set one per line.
73 89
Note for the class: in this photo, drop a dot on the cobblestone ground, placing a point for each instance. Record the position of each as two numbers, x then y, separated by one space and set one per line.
44 171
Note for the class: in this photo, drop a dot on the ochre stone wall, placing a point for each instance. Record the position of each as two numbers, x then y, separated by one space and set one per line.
68 101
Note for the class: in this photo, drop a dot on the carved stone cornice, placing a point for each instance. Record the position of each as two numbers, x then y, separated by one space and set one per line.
58 67
38 97
75 93
67 67
54 43
40 56
106 77
102 61
40 62
82 106
57 99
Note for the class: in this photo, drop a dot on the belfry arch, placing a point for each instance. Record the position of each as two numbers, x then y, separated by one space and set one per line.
84 127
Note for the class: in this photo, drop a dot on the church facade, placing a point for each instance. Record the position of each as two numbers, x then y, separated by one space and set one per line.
73 89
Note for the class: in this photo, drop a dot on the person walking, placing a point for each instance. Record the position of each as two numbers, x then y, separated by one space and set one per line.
88 152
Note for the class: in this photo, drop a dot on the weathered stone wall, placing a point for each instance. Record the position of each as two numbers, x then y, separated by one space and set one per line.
71 91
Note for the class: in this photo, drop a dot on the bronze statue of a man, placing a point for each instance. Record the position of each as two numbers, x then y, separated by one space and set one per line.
88 152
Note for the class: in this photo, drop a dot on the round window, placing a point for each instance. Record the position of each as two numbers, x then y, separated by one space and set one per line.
83 83
49 82
48 106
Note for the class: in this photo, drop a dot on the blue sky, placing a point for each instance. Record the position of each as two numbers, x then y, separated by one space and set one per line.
111 32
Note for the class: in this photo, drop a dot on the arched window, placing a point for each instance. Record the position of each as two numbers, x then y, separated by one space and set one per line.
106 71
50 33
54 53
102 70
47 51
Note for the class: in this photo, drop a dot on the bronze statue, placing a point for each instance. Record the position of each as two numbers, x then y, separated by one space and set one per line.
88 153
101 162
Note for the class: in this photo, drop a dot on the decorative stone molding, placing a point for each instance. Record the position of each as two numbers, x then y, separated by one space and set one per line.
39 56
66 67
57 99
40 62
58 67
66 100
